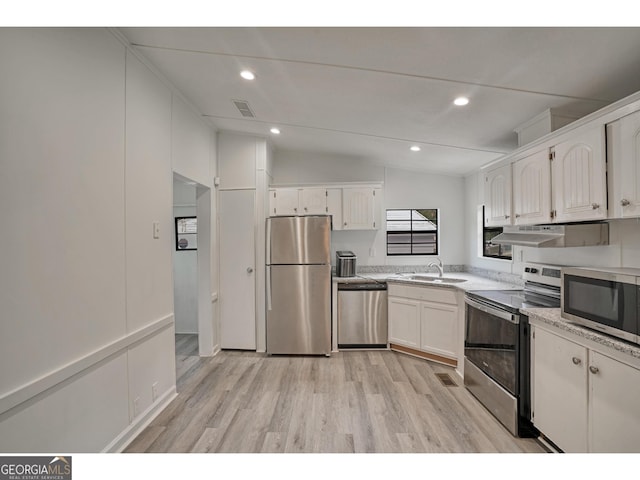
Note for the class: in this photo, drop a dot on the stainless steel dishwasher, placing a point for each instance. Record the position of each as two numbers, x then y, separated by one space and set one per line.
362 315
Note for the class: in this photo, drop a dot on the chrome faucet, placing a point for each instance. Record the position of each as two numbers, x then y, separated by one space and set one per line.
438 266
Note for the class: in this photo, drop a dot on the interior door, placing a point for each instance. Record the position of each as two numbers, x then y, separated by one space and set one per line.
237 269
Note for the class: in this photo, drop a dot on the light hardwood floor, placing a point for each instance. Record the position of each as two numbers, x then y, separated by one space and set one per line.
360 401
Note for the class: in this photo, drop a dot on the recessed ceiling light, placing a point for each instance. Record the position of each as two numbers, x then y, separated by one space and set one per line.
247 75
415 148
460 101
275 131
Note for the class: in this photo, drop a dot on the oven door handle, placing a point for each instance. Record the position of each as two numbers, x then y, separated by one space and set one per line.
493 311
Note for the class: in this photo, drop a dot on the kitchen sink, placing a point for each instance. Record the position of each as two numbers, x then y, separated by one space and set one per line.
432 279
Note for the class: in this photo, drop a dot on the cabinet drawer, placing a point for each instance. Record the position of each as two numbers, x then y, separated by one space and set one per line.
430 294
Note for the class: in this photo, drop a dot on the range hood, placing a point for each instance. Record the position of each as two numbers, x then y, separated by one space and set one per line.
570 235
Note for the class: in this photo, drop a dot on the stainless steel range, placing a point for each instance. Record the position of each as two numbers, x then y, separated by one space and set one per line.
497 345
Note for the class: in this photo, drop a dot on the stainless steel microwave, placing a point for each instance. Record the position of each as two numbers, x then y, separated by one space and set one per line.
604 299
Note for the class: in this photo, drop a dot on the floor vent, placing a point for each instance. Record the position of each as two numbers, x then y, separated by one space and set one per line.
244 108
446 380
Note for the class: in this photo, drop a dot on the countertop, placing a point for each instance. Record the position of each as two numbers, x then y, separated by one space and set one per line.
552 316
473 282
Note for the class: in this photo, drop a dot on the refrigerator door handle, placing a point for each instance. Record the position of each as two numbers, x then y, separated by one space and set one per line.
268 288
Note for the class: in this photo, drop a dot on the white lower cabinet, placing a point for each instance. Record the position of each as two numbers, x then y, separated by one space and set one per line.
614 416
559 381
404 321
438 328
583 400
425 320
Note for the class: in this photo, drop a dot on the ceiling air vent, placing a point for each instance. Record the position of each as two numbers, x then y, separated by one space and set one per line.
243 108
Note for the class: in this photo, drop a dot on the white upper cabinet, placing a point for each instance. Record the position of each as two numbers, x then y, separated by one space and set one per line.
623 143
532 189
497 197
334 207
351 208
313 201
283 201
358 208
579 173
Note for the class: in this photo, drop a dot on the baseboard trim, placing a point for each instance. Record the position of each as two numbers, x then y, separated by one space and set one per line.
424 355
143 420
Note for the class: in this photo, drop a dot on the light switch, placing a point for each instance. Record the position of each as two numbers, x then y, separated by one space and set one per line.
156 229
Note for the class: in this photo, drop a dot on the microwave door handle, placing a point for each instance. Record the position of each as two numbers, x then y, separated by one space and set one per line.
492 311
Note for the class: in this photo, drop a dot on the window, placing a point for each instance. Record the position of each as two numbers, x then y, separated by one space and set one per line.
186 233
412 231
491 250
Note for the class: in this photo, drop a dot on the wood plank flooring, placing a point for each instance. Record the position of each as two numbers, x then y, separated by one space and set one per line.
360 401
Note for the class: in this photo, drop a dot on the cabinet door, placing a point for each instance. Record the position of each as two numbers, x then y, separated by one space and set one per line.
313 201
497 197
559 399
623 142
334 207
579 173
283 201
358 208
532 189
614 412
439 328
404 325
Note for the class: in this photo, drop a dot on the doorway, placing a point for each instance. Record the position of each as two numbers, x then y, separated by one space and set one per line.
191 273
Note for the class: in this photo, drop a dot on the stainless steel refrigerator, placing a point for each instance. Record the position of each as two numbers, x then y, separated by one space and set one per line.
299 285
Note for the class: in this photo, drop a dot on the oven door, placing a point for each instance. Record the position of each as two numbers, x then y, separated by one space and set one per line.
491 343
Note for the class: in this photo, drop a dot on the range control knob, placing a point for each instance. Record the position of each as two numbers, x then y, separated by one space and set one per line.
527 269
534 270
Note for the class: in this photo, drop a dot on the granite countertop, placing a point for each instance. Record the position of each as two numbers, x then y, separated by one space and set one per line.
552 316
473 282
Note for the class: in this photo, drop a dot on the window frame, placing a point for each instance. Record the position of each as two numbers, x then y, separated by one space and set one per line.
411 232
498 231
177 234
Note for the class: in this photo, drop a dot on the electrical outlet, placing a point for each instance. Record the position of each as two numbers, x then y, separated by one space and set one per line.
156 229
154 391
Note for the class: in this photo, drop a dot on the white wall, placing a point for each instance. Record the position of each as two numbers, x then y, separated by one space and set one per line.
86 136
401 189
623 249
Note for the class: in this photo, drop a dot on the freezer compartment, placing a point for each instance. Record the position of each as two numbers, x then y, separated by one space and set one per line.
362 315
299 309
299 240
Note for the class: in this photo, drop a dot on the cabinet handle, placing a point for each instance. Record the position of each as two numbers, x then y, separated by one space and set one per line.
593 369
249 270
345 224
595 206
576 361
517 215
624 202
295 209
305 209
506 216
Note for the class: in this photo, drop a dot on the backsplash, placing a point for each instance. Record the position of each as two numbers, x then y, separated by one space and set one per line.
483 272
495 275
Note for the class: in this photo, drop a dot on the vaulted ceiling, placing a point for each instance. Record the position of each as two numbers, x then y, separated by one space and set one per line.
372 93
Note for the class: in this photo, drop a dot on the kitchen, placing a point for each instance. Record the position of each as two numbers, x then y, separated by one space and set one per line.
456 195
